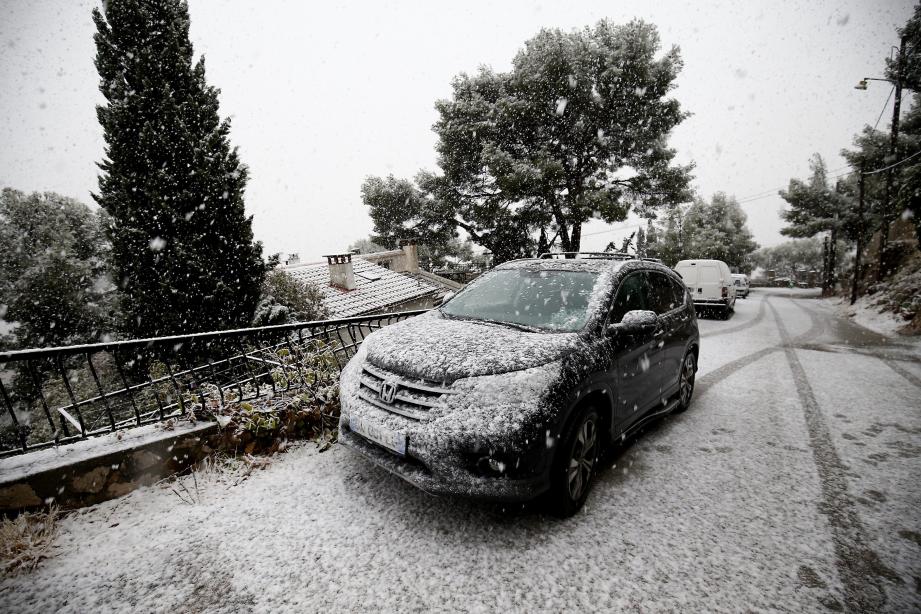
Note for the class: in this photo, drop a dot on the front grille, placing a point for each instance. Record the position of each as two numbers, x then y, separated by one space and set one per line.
410 398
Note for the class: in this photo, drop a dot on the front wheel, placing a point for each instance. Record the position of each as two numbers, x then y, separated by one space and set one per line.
574 465
686 381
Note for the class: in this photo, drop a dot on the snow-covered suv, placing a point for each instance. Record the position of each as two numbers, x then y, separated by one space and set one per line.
514 386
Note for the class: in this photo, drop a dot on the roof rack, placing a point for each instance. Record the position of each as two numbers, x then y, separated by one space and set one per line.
587 255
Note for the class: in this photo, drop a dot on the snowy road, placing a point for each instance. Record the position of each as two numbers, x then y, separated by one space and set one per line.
792 484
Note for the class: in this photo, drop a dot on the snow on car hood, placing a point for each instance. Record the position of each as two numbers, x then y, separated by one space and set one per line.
438 349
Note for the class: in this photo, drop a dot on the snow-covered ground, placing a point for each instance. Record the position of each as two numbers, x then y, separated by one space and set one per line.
792 484
868 315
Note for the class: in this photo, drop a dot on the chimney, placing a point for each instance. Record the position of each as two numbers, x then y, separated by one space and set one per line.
341 274
410 255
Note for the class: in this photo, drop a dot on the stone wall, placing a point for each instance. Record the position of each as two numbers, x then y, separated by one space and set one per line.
101 468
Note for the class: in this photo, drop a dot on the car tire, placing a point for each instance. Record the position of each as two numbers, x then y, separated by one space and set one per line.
686 376
575 463
724 312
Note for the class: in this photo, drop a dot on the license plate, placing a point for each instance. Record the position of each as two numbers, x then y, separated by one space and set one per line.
392 440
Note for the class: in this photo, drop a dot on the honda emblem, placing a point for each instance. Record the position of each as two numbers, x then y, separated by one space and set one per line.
388 391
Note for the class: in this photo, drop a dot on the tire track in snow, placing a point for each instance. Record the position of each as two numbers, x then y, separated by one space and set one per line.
720 373
743 326
859 567
817 327
911 377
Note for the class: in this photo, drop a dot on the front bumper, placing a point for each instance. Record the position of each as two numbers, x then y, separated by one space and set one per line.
460 482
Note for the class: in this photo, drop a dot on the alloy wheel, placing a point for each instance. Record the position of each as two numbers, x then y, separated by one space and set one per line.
686 386
582 460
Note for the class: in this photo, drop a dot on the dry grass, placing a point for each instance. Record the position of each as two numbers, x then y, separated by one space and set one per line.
26 539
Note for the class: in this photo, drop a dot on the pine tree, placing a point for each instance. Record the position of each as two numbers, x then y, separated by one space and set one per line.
182 246
640 242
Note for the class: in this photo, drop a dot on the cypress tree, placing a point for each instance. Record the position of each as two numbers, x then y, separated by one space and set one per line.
182 246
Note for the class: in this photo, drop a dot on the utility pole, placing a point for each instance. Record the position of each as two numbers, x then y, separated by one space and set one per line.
826 284
860 232
893 145
833 240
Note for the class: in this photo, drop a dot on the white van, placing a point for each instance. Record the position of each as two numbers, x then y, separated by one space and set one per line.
740 281
710 283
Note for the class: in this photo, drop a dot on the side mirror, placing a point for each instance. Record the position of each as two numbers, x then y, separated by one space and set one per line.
636 323
447 297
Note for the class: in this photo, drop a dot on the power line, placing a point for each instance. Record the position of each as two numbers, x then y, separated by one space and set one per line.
886 168
767 193
615 229
885 104
873 172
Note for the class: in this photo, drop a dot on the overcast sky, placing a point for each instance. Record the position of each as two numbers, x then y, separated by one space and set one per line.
324 94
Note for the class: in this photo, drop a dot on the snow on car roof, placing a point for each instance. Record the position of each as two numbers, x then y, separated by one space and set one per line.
570 264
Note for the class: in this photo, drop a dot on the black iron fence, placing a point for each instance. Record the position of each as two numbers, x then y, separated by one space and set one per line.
53 396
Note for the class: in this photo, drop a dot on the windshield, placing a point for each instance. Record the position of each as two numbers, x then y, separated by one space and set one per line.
543 300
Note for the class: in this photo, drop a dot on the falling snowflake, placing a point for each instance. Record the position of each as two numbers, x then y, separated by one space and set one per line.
561 106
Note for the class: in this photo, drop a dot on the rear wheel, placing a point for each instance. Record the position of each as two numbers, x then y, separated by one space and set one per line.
574 465
686 381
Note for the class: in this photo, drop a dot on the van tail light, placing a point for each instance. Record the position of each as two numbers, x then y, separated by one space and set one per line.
725 292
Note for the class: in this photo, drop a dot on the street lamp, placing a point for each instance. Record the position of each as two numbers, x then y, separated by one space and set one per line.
897 84
862 84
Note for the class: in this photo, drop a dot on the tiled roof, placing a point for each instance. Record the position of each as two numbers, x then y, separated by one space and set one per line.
447 285
376 287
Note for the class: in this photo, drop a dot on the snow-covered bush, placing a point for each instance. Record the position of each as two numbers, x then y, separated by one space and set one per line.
901 294
304 403
287 299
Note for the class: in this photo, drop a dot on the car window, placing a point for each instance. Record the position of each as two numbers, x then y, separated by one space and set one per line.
681 293
663 296
543 299
632 294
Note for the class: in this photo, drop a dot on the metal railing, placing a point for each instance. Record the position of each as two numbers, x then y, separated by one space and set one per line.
53 396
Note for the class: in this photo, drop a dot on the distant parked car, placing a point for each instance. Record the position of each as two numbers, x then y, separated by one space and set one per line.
740 281
710 283
783 282
514 386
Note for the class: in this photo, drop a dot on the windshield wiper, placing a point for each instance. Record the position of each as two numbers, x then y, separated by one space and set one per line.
524 327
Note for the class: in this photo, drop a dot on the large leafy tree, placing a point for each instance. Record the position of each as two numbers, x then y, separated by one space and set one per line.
400 210
910 69
791 256
54 287
577 129
813 205
182 246
666 239
718 229
908 197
